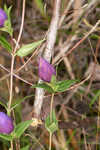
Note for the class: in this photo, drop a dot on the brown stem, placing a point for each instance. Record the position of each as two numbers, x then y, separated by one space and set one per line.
13 58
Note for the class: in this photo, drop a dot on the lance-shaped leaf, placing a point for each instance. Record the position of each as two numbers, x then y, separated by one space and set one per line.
6 137
28 49
40 6
95 98
62 86
57 86
44 86
21 127
5 44
19 101
3 104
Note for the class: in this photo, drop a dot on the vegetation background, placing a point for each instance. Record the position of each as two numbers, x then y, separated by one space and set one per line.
76 54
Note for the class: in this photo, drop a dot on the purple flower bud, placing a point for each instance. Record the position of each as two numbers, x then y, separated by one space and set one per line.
3 17
6 124
46 70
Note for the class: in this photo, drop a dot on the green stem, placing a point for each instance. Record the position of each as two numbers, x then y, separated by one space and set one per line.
50 138
11 145
51 107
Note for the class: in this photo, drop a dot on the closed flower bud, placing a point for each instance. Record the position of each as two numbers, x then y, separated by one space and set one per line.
3 17
46 70
6 124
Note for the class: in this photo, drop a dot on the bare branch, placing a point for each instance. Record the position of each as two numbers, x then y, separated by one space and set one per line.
51 38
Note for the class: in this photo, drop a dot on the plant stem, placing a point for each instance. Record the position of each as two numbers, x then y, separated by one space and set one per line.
13 57
51 106
51 109
51 39
50 138
11 83
11 144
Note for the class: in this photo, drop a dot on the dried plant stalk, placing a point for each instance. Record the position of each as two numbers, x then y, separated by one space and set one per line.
51 38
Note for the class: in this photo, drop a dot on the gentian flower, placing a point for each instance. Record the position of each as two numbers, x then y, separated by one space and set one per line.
6 124
46 70
3 17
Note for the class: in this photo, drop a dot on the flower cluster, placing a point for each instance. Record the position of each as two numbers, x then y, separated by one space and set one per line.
46 70
3 17
6 124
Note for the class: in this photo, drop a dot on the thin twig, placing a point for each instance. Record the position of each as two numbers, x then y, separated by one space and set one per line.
65 12
13 57
15 75
51 38
18 70
66 48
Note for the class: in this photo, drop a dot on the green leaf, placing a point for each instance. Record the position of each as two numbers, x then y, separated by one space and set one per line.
62 86
71 137
94 36
29 48
8 30
20 101
7 25
5 44
4 105
94 98
53 79
45 86
6 137
8 11
51 126
21 127
25 148
53 87
40 6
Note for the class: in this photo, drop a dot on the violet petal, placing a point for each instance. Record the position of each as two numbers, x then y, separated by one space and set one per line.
3 17
6 124
46 70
